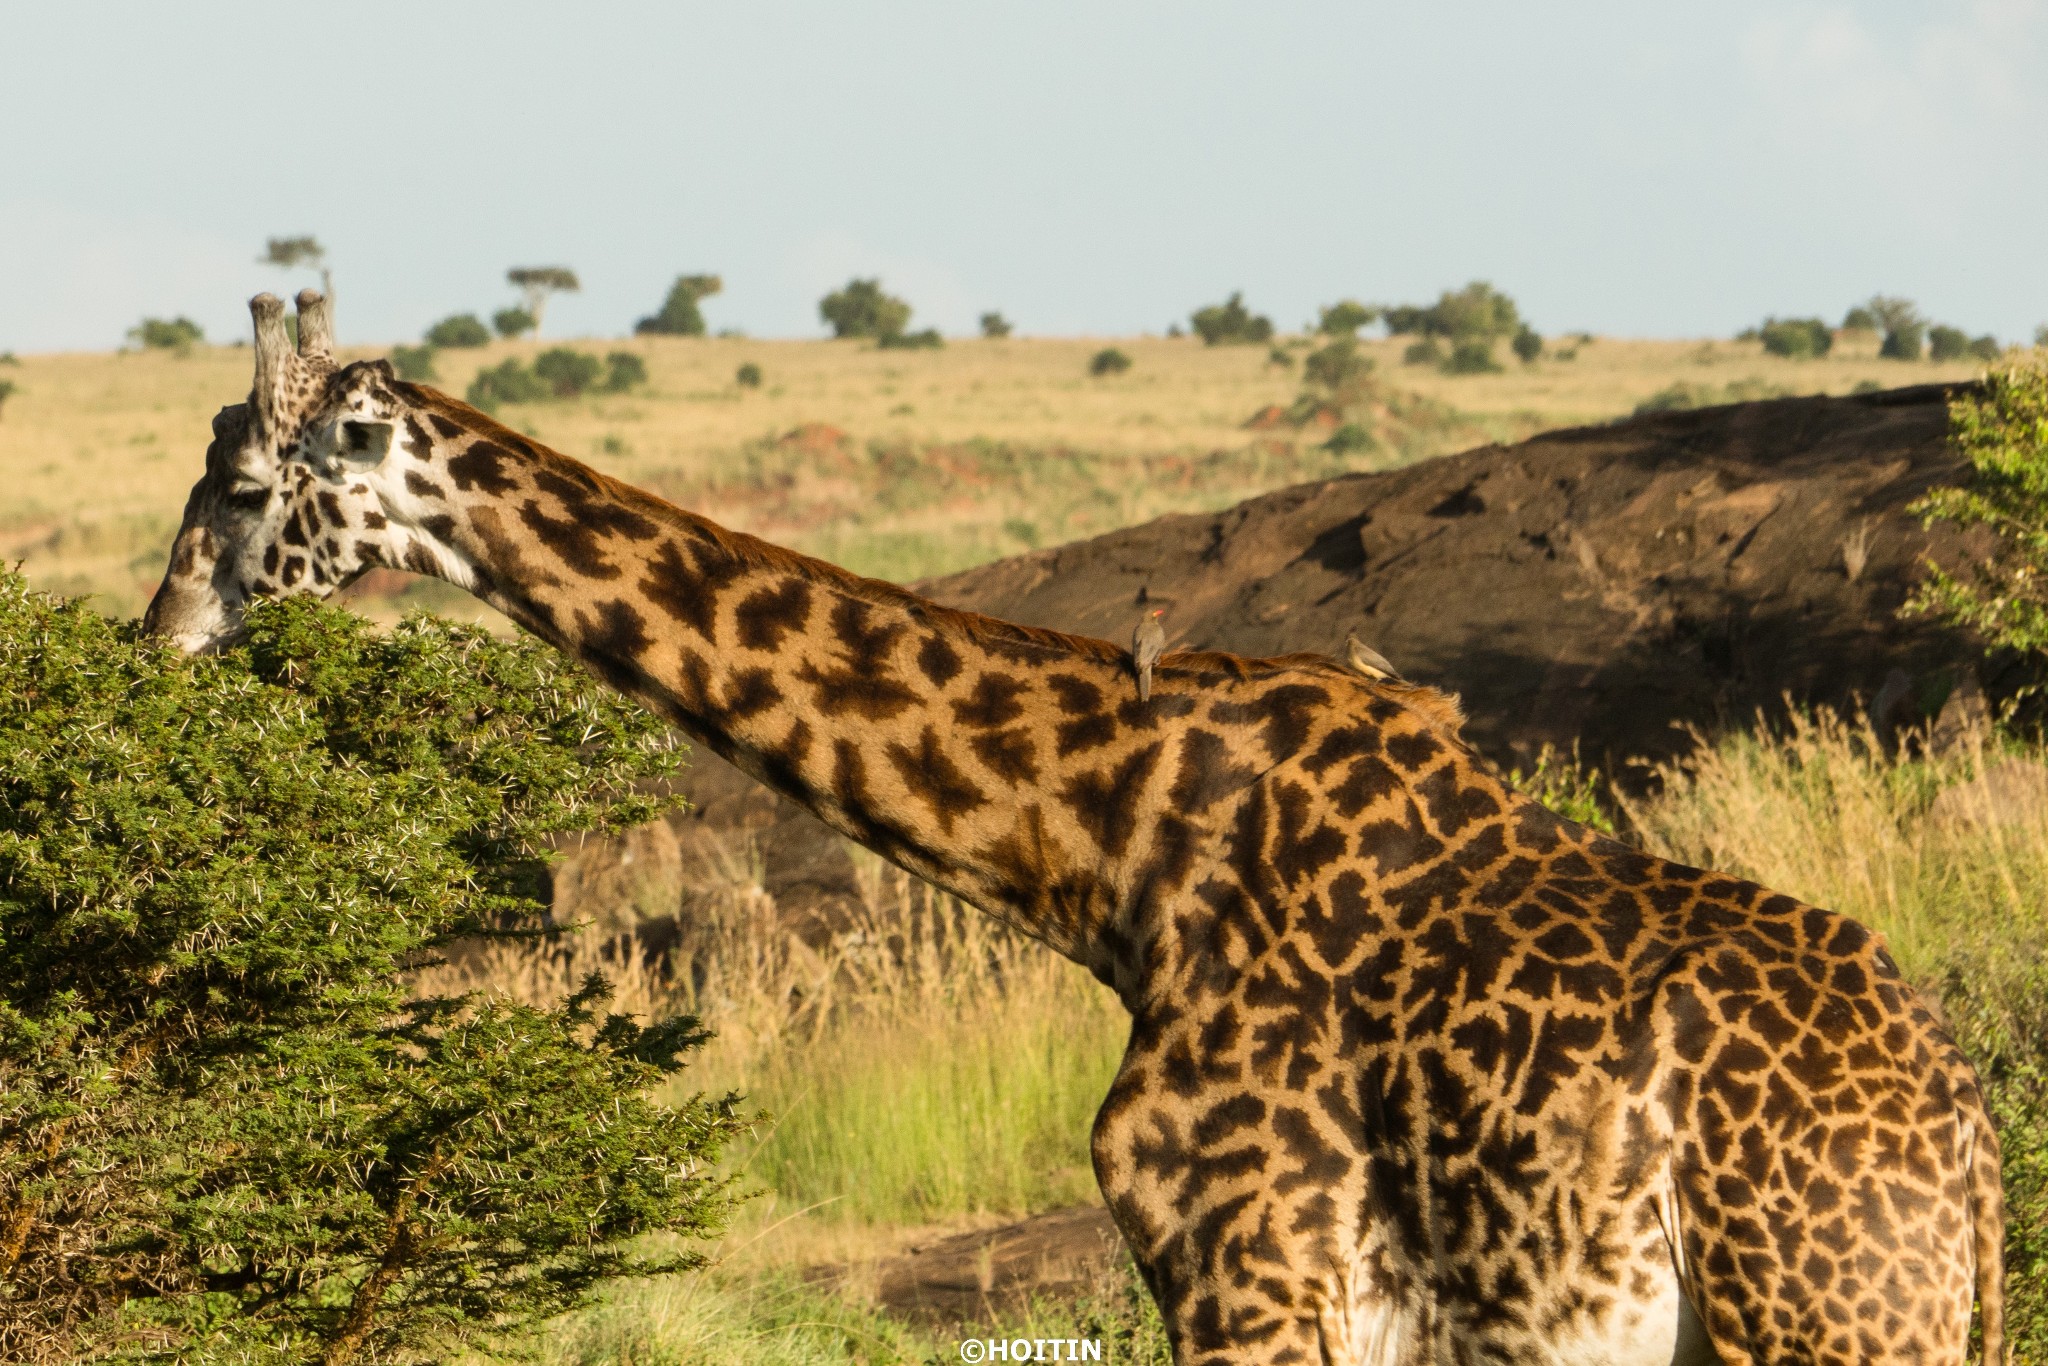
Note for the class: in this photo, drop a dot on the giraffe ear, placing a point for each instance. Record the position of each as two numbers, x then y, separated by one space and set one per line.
352 443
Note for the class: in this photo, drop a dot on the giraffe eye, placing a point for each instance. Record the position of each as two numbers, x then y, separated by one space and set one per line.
249 497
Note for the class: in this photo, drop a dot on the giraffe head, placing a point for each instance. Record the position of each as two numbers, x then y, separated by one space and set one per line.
305 485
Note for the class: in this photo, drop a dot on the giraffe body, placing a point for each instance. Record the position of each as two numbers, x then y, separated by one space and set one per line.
1418 1071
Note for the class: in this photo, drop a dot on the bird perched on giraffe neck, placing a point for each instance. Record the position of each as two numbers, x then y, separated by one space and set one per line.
1148 642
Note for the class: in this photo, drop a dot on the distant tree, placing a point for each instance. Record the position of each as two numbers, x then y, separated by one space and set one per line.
514 322
8 389
1797 338
1947 343
1108 361
1336 367
1905 331
1173 330
1859 319
863 310
679 315
506 382
1404 320
566 372
1472 356
1281 357
537 283
458 330
1344 318
927 339
160 334
1986 348
622 371
1230 323
413 362
994 325
1528 344
748 376
1428 351
290 253
2041 335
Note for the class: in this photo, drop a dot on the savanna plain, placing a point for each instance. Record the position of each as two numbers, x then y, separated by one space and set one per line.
926 1073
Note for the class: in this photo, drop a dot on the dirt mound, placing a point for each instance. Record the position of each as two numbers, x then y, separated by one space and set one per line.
1604 586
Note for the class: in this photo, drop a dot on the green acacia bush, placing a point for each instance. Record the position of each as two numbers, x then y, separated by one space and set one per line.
679 315
413 362
513 322
567 372
166 334
1796 338
861 309
1108 361
2002 428
1230 323
1472 356
458 330
225 1132
1336 367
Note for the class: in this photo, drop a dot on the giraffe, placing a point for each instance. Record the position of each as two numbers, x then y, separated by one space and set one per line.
1418 1071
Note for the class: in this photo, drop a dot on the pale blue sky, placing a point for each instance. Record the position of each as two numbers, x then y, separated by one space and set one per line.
1087 168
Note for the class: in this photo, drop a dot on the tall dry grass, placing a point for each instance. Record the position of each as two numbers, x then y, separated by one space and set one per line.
926 1065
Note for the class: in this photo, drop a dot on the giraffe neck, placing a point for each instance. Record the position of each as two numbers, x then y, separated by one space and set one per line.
926 734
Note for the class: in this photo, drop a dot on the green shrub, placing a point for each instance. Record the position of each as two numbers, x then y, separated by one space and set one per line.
1986 348
1798 338
863 310
994 325
513 322
1947 343
622 371
1859 319
1337 366
1108 361
1344 318
1673 398
8 389
2003 431
1281 357
2041 335
9 358
1476 311
566 372
748 376
1904 342
1905 331
225 1131
1473 356
162 334
458 330
1350 439
506 382
1230 323
1568 786
1425 352
1528 344
679 315
413 362
926 340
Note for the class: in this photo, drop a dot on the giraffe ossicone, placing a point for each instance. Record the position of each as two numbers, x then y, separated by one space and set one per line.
1418 1071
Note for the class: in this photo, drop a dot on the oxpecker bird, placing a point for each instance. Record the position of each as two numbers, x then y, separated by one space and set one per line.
1367 660
1148 642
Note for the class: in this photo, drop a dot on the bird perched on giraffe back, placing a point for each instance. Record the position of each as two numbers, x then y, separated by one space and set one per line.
1148 642
1369 661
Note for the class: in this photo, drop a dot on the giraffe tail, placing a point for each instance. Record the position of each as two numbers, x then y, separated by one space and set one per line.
1987 1218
